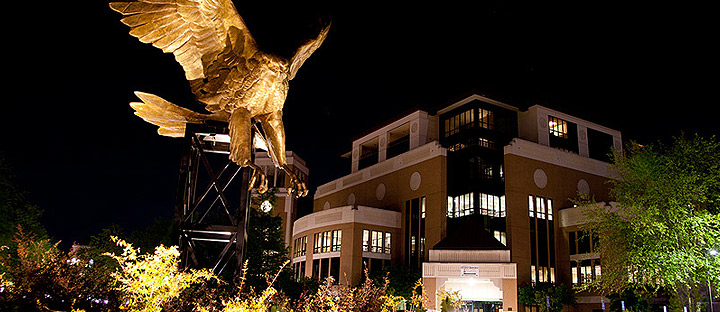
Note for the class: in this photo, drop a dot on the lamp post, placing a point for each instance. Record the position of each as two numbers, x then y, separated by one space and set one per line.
712 253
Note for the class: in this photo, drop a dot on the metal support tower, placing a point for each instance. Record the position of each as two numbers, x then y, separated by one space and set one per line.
212 205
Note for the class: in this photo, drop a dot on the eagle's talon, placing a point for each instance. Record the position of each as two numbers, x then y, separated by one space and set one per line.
258 176
297 187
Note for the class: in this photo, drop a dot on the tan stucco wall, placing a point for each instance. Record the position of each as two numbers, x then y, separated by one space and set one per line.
397 191
561 188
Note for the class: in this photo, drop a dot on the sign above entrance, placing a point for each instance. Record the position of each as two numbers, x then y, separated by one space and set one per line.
470 270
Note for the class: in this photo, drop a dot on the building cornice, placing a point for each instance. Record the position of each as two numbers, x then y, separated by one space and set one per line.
407 159
576 120
475 97
345 215
546 154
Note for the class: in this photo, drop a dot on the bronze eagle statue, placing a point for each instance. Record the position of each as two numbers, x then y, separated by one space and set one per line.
236 81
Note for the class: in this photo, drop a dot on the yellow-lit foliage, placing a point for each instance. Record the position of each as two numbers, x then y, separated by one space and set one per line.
366 297
149 281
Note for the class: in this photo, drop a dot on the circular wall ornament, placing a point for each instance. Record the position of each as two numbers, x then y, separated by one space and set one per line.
618 145
540 178
382 141
583 136
542 122
415 180
583 187
326 206
351 199
414 127
355 153
380 191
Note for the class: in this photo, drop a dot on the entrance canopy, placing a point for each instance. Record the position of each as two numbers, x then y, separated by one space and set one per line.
473 263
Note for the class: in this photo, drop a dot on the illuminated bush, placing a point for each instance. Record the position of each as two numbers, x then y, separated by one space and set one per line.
148 282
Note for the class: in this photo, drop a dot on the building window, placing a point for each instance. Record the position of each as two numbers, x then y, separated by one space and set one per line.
336 240
376 241
398 141
487 120
540 207
461 205
299 270
600 145
542 239
501 237
369 154
558 127
585 271
326 267
300 246
414 232
492 205
327 241
456 147
542 274
582 242
366 240
374 265
460 121
486 143
563 134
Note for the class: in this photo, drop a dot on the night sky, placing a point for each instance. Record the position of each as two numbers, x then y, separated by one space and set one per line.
80 153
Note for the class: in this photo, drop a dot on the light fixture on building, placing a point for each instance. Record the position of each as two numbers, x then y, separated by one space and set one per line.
266 206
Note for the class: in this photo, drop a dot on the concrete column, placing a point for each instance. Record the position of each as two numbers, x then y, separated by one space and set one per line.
509 289
355 158
414 134
543 133
382 147
583 148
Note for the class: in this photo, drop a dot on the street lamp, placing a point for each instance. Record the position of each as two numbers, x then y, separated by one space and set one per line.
712 253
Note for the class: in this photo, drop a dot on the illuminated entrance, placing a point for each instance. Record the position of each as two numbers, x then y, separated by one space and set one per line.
483 287
472 262
480 306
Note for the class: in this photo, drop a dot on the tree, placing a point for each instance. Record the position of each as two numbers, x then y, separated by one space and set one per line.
628 300
38 276
549 297
15 209
401 279
266 252
666 221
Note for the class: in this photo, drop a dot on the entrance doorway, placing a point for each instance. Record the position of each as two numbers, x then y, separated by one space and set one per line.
480 306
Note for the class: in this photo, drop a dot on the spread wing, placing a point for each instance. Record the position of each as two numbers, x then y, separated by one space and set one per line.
307 49
195 31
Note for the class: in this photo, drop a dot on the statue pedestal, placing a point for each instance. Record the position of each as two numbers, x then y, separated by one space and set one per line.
212 205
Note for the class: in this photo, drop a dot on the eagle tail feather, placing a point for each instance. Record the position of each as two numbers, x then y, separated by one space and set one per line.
170 118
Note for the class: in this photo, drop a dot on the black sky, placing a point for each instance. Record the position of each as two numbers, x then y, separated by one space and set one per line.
649 71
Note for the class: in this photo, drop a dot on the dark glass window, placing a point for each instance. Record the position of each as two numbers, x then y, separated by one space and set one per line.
397 144
316 268
368 157
300 246
335 269
600 145
414 231
582 242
